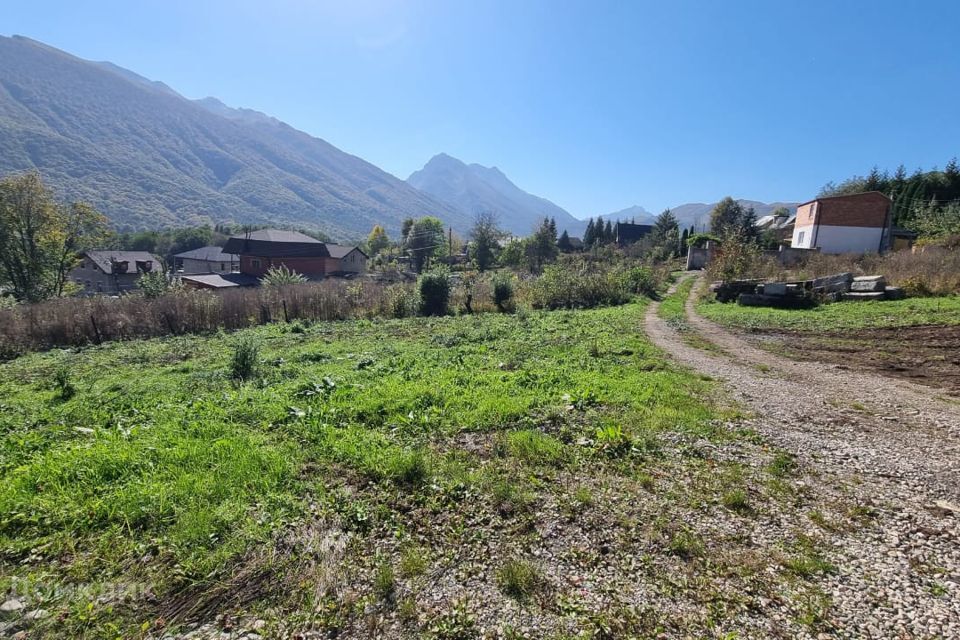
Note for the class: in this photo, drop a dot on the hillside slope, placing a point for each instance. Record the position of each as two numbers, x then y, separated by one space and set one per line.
147 157
477 189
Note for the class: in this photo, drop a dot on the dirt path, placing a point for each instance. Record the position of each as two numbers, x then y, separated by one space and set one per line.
886 443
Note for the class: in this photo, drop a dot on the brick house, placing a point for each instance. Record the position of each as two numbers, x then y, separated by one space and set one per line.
112 272
260 250
857 223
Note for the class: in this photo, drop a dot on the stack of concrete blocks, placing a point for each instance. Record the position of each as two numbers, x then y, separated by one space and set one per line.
872 288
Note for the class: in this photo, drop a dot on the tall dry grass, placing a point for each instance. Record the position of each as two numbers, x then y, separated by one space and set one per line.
928 271
81 321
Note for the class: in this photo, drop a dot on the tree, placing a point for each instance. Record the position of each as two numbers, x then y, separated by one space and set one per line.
726 217
377 241
405 229
590 234
666 235
486 235
541 247
41 237
609 237
424 240
563 243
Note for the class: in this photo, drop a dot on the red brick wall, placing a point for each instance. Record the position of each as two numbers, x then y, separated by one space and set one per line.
805 214
310 267
860 210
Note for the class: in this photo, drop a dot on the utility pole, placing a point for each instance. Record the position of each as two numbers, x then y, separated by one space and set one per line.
450 243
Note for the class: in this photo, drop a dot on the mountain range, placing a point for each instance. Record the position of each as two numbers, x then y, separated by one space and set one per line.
148 157
474 189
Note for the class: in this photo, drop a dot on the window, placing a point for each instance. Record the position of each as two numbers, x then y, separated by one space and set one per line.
800 237
223 267
255 263
99 287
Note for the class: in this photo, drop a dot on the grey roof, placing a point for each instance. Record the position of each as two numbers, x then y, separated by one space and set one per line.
103 259
222 280
276 235
339 250
209 254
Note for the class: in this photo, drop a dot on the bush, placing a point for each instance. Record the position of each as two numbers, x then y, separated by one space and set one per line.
280 276
642 280
435 292
563 287
246 354
503 290
63 384
402 301
154 284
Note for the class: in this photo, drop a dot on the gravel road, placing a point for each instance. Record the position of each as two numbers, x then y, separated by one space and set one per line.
894 445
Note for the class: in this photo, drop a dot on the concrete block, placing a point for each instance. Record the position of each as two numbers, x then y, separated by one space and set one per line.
869 285
863 296
775 289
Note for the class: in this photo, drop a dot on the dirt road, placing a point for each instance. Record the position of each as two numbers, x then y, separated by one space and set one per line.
883 442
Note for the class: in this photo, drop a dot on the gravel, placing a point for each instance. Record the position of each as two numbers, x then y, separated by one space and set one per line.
889 444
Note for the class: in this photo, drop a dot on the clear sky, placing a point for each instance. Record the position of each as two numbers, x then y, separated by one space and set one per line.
594 105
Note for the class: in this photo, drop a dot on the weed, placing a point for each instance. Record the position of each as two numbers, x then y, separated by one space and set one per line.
456 624
783 465
63 384
736 500
412 563
807 564
686 544
519 579
535 447
509 499
408 467
245 359
612 441
384 581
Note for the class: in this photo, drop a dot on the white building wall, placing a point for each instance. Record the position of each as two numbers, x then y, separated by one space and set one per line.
802 237
831 239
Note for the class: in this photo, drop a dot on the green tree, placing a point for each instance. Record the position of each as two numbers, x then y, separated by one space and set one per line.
485 235
726 217
405 228
377 241
541 247
665 237
590 235
41 237
424 241
609 236
563 242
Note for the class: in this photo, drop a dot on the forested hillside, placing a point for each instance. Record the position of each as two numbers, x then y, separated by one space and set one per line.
147 157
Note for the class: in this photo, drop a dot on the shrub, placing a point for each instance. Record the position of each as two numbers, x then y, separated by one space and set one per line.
154 284
563 286
503 290
280 276
402 301
642 280
243 364
435 292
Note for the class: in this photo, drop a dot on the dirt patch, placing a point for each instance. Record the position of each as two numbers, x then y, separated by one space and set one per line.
927 355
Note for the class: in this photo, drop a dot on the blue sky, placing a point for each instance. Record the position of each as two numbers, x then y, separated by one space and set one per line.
594 105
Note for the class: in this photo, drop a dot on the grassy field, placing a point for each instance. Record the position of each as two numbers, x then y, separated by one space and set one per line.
416 477
839 316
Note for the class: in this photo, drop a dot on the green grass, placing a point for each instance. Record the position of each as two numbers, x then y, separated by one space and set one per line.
837 316
161 468
672 306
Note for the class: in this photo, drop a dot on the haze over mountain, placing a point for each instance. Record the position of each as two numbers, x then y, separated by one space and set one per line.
698 213
148 157
476 189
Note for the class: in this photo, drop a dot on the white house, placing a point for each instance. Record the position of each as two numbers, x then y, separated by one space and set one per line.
857 223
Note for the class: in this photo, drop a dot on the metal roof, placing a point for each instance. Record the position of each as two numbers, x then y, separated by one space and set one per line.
209 254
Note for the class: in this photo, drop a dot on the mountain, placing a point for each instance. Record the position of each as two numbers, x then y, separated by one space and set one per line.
148 157
476 189
636 213
696 213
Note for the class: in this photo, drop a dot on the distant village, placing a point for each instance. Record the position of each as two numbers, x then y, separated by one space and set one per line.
857 223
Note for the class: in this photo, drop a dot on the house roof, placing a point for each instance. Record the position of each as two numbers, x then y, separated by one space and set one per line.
274 243
222 280
208 254
103 259
849 195
339 250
